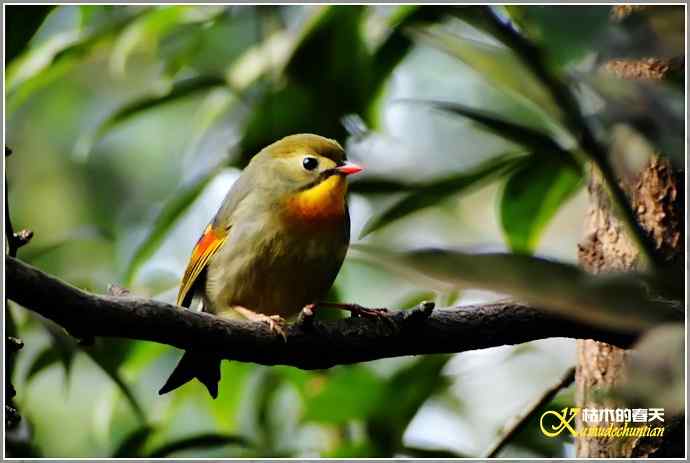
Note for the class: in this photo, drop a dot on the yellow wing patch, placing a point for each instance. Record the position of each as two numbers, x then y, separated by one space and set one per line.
207 246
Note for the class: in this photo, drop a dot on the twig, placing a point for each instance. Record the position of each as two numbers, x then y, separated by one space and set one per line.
12 416
14 240
548 395
323 345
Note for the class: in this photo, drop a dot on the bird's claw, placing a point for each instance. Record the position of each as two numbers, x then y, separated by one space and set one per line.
276 325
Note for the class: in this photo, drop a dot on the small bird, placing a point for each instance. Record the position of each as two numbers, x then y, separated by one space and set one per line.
275 245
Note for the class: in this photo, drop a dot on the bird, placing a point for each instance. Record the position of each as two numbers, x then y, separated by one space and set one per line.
275 245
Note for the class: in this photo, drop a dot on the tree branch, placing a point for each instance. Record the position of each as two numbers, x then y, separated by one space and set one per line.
313 346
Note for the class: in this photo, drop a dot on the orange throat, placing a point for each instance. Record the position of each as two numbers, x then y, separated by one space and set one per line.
324 202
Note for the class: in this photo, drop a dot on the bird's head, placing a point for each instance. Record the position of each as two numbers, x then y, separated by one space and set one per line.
306 173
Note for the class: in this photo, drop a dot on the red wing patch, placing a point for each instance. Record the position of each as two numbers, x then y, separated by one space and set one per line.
205 247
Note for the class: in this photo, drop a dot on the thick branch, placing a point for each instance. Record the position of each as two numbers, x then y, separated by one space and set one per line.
321 345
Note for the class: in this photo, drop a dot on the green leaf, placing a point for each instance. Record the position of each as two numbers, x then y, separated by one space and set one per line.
43 64
178 90
618 301
397 43
532 196
316 58
27 88
316 68
168 216
497 64
133 443
392 49
62 48
319 86
532 139
343 394
409 388
413 385
45 358
147 30
109 354
656 371
282 112
63 345
329 74
430 194
564 37
153 26
22 22
480 18
201 441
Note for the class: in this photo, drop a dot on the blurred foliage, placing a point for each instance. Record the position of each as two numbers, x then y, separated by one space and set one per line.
657 364
563 41
22 28
546 182
129 124
620 301
423 196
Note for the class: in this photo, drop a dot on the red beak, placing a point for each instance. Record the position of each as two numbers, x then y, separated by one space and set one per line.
349 168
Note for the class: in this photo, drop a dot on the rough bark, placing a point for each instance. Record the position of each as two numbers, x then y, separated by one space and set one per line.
656 197
619 12
647 68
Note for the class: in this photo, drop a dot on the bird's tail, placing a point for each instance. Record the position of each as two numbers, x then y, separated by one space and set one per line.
202 366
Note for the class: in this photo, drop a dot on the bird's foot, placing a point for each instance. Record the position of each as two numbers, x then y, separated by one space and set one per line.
276 323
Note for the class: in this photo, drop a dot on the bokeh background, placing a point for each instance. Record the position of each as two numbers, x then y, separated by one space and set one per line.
129 123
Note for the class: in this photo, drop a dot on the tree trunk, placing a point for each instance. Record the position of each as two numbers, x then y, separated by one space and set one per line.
656 195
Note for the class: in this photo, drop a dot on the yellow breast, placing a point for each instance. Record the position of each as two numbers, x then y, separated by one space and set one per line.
324 202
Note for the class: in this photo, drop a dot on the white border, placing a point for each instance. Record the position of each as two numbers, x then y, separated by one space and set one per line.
341 3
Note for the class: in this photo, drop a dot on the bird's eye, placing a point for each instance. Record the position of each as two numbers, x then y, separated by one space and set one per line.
310 163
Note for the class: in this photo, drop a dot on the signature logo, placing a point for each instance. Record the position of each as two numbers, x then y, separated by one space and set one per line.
620 422
553 423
